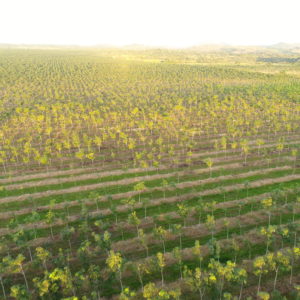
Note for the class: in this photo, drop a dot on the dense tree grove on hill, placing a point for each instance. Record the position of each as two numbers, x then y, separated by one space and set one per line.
150 174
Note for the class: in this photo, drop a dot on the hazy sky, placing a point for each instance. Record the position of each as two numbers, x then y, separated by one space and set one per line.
176 23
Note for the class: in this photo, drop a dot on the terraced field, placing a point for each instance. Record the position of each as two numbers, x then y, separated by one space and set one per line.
191 195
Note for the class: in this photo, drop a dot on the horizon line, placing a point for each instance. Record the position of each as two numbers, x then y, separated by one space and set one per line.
220 44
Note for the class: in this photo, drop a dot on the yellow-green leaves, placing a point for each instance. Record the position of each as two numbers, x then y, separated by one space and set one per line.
114 261
267 203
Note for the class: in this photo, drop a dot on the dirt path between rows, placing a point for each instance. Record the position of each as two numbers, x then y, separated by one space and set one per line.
116 173
58 206
257 183
88 176
128 181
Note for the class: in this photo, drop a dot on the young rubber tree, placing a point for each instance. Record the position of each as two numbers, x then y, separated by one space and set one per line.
268 232
140 269
294 255
134 220
199 209
165 185
282 263
160 259
139 187
260 267
209 163
94 275
3 271
177 229
183 212
43 255
115 262
150 291
145 204
144 241
267 205
210 224
240 277
223 273
49 220
197 252
161 233
19 292
196 280
15 266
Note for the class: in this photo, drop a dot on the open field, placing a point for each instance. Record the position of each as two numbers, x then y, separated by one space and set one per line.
149 174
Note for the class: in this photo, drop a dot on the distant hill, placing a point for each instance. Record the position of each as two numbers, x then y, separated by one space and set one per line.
286 48
260 50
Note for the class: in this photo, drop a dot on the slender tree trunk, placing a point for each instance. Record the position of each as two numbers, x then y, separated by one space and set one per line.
180 241
275 279
120 278
141 280
241 292
30 254
221 290
291 275
45 266
25 279
3 289
200 294
293 215
180 267
267 249
162 276
258 286
51 232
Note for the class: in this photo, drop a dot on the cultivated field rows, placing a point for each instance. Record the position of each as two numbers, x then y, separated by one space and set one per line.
125 179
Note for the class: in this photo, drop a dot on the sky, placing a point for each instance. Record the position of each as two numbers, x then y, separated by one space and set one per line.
170 23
